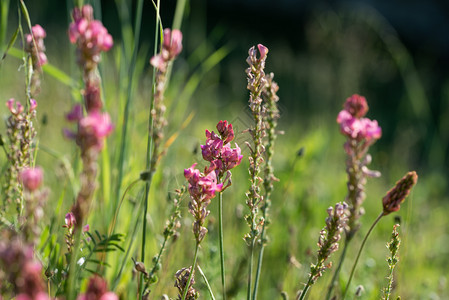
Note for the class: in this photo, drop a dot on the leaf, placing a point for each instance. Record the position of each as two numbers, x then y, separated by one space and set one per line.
11 42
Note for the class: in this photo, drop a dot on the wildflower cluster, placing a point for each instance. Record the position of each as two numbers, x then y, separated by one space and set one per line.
329 237
170 49
90 36
20 269
202 188
34 45
183 276
361 133
256 85
20 132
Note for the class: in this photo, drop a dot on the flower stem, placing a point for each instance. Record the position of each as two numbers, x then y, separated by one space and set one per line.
337 271
259 262
304 291
360 251
250 269
192 269
220 232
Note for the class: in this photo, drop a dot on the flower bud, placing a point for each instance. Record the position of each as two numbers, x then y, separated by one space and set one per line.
31 178
394 197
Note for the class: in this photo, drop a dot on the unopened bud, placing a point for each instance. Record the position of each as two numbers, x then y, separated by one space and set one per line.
393 199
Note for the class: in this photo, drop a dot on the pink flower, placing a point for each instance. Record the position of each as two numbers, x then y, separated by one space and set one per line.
231 157
90 36
70 220
75 114
86 228
172 42
356 105
18 109
38 32
92 129
263 51
202 187
33 104
212 149
171 47
31 178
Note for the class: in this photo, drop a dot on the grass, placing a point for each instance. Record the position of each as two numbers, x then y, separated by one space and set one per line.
308 184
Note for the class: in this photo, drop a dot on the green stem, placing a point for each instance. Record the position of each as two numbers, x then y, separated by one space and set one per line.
207 283
148 152
192 269
220 233
250 268
337 271
305 290
259 262
358 254
72 266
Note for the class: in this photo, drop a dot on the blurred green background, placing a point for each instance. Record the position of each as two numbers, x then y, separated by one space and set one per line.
395 54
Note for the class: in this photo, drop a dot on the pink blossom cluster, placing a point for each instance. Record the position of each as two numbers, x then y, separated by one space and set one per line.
171 47
92 128
97 289
218 151
90 36
23 272
352 123
202 185
36 47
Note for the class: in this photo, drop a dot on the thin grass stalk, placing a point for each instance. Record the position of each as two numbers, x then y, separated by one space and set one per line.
131 72
220 233
207 283
360 251
148 154
192 270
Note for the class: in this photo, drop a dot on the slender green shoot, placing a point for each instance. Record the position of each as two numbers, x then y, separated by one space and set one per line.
211 294
220 233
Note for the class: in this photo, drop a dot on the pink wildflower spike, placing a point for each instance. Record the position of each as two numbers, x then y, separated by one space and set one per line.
75 114
212 149
356 105
42 59
32 178
263 51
